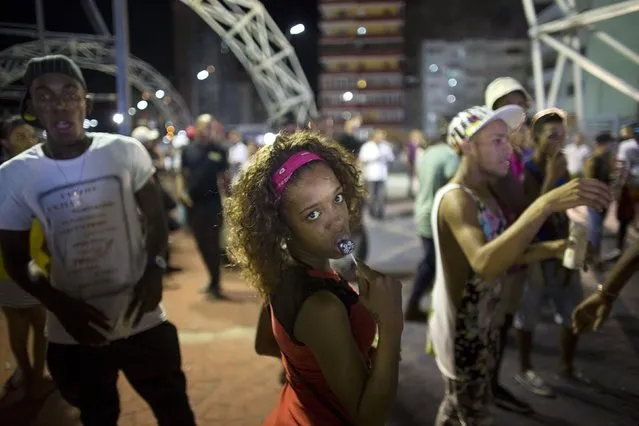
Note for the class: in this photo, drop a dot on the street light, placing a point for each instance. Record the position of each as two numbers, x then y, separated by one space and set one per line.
202 75
297 29
347 96
159 94
118 118
142 105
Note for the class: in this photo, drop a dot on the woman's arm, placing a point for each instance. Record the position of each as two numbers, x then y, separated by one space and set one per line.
541 251
265 343
323 326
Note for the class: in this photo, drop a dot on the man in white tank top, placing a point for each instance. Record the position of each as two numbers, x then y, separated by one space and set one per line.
469 227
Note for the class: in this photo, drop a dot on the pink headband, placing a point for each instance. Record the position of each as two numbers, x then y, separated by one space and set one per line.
285 172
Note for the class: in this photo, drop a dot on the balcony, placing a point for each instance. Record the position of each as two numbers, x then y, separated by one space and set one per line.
383 27
381 100
362 49
367 81
385 61
345 38
355 67
371 115
352 6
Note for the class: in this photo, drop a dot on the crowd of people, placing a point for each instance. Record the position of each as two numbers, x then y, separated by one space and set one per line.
84 236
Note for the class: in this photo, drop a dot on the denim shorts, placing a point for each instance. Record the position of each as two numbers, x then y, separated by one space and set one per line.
549 279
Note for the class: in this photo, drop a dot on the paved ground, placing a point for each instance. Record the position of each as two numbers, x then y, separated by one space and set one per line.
229 385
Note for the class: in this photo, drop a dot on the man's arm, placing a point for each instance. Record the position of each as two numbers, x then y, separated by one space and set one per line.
15 243
148 197
558 170
223 176
149 201
623 270
589 168
489 259
180 178
15 247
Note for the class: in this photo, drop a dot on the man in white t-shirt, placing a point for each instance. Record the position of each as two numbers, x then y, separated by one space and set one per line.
238 155
92 193
576 154
375 156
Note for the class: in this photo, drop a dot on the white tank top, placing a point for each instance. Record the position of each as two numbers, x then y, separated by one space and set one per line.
476 331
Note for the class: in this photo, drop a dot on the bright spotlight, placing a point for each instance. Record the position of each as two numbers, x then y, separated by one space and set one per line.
118 118
159 94
202 75
297 29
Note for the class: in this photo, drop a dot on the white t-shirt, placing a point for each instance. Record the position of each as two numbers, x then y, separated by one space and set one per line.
576 157
90 219
375 159
628 149
238 154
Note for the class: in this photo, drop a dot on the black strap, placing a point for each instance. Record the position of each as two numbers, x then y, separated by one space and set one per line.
343 420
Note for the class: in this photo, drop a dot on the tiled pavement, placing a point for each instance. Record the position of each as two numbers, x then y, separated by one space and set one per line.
230 385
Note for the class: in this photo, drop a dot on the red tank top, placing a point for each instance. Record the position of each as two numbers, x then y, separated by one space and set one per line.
298 405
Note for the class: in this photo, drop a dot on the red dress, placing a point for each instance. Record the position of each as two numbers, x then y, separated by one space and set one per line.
298 405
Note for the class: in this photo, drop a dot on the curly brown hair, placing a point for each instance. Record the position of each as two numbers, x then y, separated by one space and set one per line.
256 230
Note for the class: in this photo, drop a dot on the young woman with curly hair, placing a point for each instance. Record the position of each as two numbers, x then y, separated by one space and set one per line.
288 213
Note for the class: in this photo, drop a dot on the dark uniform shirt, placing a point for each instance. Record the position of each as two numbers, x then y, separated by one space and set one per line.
204 163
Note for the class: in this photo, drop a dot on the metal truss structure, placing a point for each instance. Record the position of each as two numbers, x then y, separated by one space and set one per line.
264 51
99 56
569 47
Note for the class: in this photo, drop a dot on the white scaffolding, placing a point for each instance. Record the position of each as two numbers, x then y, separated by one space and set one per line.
244 25
99 56
569 48
264 51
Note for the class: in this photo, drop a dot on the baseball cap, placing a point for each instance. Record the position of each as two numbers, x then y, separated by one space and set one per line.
468 122
50 64
500 87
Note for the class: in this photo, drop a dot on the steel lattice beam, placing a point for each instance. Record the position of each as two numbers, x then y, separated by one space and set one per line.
264 51
99 56
568 49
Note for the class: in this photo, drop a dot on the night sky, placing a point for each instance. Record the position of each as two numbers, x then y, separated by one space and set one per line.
150 26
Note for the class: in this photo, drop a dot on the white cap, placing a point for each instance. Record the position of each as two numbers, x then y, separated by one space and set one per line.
500 87
468 122
144 134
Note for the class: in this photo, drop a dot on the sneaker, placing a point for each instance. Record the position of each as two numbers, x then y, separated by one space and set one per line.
505 400
531 381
